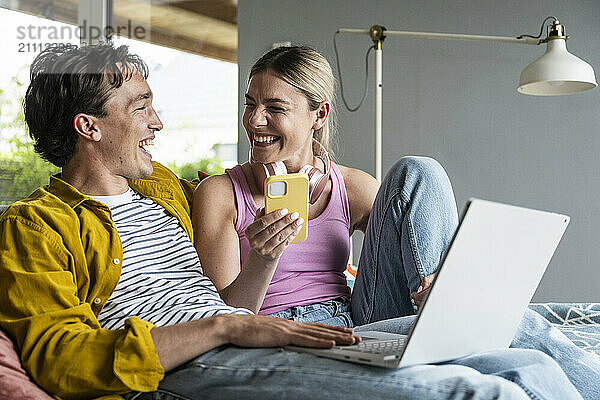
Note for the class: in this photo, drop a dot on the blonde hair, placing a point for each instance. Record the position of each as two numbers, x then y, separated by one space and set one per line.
308 71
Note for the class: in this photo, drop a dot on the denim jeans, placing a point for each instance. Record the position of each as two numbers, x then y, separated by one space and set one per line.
413 220
331 312
411 225
229 372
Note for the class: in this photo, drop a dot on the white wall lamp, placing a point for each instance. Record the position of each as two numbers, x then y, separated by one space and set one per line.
555 73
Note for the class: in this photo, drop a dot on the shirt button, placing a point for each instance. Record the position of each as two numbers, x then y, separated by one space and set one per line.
116 261
97 300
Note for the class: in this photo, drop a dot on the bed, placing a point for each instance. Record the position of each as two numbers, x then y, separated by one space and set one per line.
580 322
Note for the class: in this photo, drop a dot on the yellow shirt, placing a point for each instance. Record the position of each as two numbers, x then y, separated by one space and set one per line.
60 260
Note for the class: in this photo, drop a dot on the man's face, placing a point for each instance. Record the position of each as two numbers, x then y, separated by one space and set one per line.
129 126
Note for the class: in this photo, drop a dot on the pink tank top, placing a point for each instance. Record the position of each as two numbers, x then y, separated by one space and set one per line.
310 271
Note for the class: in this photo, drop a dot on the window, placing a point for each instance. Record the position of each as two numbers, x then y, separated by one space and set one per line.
195 96
21 170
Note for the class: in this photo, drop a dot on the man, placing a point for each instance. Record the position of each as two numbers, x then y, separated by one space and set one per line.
104 294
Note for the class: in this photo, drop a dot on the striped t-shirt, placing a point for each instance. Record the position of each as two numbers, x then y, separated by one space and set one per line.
161 278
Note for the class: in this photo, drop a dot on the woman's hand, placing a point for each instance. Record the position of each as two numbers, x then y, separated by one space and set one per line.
421 293
269 235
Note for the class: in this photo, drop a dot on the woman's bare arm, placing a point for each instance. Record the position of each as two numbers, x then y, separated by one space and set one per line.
361 189
216 240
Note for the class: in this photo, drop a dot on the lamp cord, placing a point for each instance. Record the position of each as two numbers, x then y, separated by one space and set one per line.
541 29
337 61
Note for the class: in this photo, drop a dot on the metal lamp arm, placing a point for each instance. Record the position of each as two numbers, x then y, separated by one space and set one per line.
448 36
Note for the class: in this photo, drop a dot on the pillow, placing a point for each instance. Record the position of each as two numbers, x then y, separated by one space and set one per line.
202 175
15 382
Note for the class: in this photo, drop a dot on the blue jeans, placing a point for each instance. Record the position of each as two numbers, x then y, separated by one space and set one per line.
331 312
411 225
422 221
229 372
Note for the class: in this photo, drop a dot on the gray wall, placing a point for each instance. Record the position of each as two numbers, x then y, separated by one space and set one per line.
457 102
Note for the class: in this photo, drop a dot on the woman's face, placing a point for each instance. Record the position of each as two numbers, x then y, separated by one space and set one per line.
279 122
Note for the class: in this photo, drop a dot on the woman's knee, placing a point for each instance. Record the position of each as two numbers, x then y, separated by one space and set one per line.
417 171
417 165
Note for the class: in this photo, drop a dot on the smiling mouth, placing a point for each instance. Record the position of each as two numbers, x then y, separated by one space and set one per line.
143 144
264 140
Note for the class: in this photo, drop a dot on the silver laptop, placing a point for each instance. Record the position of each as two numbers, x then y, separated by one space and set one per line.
488 277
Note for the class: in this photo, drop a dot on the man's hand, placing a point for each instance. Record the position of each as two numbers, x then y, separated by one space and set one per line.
264 331
179 343
421 293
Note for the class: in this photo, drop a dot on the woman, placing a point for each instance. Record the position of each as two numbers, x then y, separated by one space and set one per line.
288 118
408 222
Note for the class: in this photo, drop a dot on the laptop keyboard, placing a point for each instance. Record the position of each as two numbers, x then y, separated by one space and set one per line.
378 346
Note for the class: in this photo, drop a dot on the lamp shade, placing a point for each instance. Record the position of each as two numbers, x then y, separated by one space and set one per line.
557 72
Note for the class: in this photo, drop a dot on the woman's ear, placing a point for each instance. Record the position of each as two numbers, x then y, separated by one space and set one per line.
86 126
321 115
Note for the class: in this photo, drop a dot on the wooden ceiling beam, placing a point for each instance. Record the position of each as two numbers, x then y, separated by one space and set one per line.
203 48
204 27
179 42
180 28
223 10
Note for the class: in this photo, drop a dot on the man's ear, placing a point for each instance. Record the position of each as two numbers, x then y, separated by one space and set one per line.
321 115
86 126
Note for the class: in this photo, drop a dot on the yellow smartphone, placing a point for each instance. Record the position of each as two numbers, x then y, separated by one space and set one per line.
289 191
